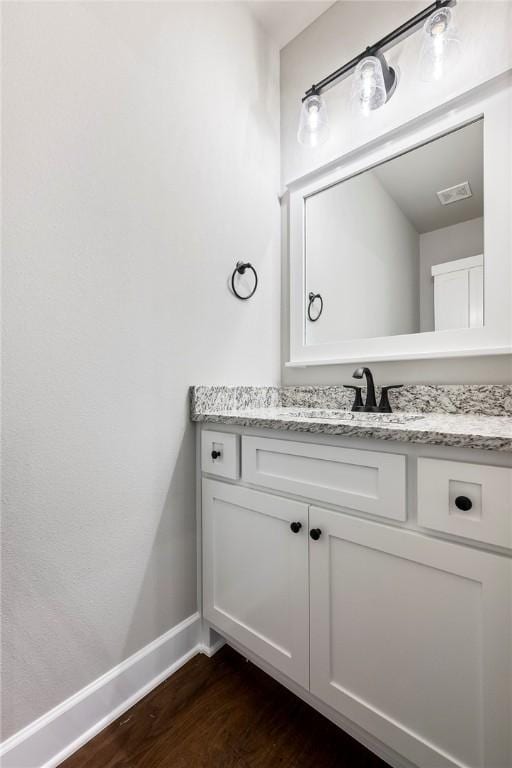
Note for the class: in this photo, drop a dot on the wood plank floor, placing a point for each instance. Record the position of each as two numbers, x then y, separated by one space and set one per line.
222 713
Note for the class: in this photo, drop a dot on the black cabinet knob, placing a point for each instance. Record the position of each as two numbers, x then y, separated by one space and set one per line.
315 533
463 503
216 455
295 527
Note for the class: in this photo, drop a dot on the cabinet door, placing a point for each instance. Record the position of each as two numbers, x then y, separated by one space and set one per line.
411 639
255 574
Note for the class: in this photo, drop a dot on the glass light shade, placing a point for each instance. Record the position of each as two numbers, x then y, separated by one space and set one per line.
313 124
368 88
441 46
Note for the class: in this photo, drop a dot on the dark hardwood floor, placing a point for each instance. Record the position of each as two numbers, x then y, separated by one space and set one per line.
222 713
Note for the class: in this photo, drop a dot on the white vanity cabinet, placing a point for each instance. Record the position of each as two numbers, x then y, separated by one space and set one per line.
401 634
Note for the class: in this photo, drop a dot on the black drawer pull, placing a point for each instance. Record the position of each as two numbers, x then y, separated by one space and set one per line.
216 455
295 527
463 503
315 533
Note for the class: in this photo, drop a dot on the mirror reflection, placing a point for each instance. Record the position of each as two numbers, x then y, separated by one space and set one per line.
398 249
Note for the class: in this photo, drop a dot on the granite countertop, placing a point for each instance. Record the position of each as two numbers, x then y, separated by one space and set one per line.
464 416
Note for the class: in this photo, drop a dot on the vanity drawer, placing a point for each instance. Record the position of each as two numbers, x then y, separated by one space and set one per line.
364 481
220 454
470 500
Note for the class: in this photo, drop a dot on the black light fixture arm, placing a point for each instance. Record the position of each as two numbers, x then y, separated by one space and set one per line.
404 30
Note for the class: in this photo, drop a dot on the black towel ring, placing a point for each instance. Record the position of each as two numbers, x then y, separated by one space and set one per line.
312 298
240 268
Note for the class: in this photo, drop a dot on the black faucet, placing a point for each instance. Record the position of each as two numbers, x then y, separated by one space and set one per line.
371 403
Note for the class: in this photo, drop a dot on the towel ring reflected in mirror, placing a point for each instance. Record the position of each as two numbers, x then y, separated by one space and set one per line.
240 269
312 298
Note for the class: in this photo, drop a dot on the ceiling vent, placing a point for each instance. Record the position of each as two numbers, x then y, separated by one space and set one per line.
454 194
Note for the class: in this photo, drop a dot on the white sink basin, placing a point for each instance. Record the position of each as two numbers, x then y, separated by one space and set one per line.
359 416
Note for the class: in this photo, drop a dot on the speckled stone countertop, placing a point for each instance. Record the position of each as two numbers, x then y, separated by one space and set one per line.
464 416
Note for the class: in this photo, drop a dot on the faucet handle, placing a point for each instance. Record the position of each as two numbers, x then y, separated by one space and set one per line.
385 405
357 405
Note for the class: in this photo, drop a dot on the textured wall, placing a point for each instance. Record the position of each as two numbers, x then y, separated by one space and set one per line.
141 162
336 36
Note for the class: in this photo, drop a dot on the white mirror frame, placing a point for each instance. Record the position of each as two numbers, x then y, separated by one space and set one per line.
493 102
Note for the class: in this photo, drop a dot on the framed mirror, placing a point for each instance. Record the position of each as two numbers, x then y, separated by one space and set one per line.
404 251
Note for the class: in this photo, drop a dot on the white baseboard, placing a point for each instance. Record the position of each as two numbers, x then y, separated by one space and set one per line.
50 739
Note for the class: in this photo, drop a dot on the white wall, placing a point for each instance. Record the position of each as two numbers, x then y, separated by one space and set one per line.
362 256
140 163
445 244
340 33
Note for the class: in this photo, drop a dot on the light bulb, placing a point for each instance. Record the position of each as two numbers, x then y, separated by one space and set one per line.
368 88
441 46
313 123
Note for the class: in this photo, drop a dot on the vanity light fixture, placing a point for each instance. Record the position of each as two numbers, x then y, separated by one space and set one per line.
374 80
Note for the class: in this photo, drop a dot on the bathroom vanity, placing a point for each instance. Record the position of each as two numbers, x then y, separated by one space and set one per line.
364 560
